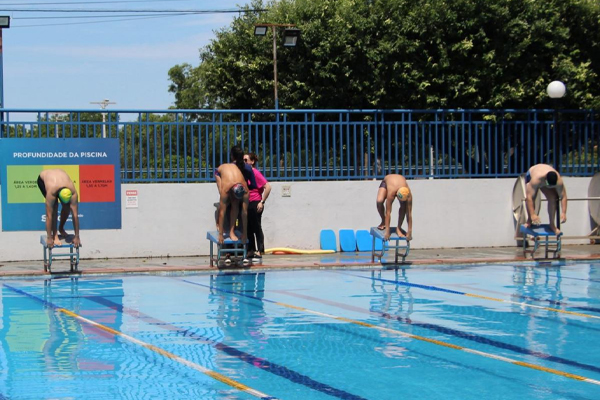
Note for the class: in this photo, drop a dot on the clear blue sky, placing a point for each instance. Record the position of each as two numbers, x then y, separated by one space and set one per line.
68 63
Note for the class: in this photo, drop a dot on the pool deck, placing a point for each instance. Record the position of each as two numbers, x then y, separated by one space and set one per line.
290 261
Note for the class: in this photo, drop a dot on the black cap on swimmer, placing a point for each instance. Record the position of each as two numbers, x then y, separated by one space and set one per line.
238 190
551 178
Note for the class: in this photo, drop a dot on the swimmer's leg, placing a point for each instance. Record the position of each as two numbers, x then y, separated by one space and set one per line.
233 216
381 196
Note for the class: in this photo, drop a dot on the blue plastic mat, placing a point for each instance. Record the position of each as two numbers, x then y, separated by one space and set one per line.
364 241
347 240
327 239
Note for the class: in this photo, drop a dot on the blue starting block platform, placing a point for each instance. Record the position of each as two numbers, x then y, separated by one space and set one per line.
541 235
65 250
228 252
400 245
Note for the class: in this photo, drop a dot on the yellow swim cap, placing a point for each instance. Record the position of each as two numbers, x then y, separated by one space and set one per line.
64 195
403 193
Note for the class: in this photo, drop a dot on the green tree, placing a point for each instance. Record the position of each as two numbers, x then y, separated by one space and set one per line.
401 54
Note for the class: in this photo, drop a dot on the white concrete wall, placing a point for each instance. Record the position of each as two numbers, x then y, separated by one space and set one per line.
172 219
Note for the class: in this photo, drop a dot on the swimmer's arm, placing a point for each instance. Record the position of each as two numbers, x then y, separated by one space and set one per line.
409 219
563 203
75 212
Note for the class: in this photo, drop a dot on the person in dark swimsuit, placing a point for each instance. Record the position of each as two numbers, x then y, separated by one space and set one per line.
57 187
545 178
395 186
231 181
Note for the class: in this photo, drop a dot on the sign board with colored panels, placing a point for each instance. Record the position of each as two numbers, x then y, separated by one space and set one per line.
92 164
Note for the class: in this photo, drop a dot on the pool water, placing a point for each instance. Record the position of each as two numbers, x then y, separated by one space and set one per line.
440 332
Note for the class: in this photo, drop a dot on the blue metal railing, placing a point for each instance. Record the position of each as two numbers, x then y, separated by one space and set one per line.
187 145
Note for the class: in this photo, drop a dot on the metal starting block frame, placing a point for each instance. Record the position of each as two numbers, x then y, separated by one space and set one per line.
65 250
541 234
236 248
401 247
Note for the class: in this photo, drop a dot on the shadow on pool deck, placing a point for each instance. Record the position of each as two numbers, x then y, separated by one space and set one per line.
336 260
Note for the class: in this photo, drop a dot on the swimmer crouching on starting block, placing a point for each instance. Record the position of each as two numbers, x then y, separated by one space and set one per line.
544 178
56 186
395 186
231 181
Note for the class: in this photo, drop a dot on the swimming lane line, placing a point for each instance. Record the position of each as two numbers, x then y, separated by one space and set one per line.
258 362
450 331
477 296
411 336
215 375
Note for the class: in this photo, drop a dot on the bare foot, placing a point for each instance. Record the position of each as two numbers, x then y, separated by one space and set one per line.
400 232
63 233
381 226
233 237
555 229
57 241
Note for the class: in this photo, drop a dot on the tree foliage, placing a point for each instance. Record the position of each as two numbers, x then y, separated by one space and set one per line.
401 54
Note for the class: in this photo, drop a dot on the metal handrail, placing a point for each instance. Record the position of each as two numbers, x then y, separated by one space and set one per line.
294 145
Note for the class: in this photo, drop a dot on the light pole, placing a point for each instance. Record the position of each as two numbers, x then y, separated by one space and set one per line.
290 39
4 24
103 104
58 120
557 90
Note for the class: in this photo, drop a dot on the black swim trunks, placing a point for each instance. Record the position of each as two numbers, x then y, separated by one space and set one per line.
383 185
41 185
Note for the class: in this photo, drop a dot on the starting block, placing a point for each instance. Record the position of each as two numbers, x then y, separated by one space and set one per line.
66 249
401 246
541 234
235 248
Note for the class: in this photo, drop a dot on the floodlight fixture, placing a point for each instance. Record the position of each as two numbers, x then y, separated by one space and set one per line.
290 37
260 30
4 22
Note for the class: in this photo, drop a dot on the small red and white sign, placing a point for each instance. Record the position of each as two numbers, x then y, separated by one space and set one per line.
131 199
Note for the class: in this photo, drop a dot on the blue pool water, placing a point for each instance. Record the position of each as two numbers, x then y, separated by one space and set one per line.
443 332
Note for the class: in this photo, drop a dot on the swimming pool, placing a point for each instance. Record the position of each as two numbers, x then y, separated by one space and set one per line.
440 332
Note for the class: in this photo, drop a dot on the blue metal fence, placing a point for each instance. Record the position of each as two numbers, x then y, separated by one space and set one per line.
187 145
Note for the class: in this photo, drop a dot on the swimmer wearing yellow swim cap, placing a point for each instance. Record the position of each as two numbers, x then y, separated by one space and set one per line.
395 186
403 193
64 195
57 187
